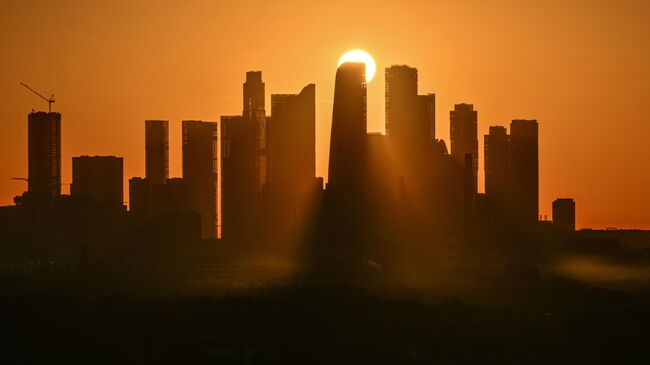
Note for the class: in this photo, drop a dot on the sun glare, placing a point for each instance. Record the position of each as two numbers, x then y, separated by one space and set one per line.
360 56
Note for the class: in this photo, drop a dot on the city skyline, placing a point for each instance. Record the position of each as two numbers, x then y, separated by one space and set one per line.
325 182
613 197
543 212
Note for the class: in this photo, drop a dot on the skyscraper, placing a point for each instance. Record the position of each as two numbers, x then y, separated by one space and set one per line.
464 137
157 151
200 172
245 161
564 215
401 90
410 118
524 169
98 179
410 130
44 155
254 98
497 174
293 139
344 228
237 175
255 113
349 128
292 142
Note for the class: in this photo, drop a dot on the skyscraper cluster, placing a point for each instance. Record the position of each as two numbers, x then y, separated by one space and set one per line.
250 179
267 167
405 188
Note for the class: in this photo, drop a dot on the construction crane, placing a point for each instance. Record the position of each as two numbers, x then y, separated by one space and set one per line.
49 101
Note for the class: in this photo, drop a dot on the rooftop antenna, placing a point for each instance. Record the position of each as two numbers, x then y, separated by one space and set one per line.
49 101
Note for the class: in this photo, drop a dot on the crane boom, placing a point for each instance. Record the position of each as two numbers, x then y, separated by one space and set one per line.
49 101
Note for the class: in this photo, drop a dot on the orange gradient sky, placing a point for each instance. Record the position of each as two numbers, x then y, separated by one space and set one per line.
582 68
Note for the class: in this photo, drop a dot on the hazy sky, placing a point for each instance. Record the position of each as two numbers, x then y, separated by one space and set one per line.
582 68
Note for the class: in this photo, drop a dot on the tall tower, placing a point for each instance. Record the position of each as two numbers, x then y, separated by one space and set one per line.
200 171
464 136
344 227
349 128
410 118
292 137
401 90
157 151
237 175
255 113
253 94
497 173
524 169
44 155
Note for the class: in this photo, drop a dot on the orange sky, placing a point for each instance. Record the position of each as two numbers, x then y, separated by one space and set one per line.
582 68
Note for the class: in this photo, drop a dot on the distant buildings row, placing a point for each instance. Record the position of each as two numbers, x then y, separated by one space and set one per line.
380 187
254 151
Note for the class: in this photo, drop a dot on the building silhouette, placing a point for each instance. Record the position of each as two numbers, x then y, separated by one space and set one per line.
255 114
410 118
44 155
497 176
401 89
463 136
564 215
156 151
349 128
293 138
98 179
292 147
343 228
200 158
414 162
237 175
410 127
427 108
253 95
524 169
245 164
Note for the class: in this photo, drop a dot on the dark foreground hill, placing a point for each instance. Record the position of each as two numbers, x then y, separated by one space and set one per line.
551 321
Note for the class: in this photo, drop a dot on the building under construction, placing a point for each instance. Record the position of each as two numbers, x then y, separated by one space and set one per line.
44 155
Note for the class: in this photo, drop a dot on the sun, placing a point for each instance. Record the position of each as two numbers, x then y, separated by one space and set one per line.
358 55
